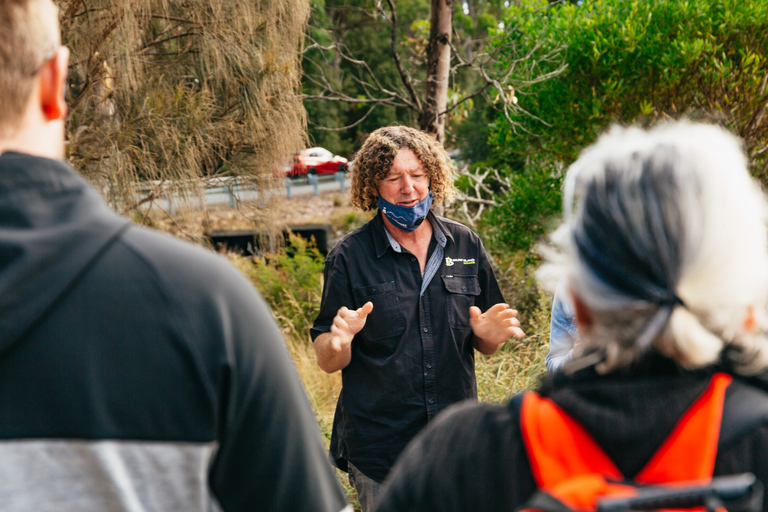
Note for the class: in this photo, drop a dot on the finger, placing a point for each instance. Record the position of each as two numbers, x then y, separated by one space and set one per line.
340 328
507 314
518 332
341 323
474 312
497 308
364 311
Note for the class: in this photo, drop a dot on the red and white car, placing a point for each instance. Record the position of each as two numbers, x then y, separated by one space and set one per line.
316 161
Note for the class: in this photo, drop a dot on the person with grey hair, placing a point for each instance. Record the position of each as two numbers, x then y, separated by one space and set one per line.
666 260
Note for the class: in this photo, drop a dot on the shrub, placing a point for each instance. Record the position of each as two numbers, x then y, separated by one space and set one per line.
524 212
291 283
632 61
627 62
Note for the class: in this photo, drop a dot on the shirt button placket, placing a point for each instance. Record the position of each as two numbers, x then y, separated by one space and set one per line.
430 383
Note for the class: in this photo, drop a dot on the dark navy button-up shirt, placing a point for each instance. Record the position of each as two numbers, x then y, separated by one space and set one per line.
415 356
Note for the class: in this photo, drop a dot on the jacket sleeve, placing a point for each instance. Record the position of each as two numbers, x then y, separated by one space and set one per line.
336 293
491 292
270 455
562 333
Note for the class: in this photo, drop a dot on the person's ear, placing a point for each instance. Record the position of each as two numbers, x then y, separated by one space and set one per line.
53 82
584 319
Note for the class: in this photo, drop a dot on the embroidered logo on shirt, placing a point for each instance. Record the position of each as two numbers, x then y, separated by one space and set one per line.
449 262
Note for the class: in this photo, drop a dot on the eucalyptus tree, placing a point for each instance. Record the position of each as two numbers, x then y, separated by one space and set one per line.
177 90
422 61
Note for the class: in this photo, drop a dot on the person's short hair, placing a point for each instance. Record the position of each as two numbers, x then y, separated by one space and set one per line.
30 36
374 161
666 244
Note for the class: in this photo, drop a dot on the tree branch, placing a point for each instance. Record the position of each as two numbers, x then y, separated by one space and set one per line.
325 128
403 75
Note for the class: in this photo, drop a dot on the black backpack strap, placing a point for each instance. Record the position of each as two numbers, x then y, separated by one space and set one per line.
744 409
516 403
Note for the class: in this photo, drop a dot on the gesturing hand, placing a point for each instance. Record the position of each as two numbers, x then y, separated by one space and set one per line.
496 325
347 323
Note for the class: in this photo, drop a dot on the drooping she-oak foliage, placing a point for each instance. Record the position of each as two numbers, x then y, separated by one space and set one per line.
182 89
628 62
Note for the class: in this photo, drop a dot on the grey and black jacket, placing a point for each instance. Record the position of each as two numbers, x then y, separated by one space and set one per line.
138 372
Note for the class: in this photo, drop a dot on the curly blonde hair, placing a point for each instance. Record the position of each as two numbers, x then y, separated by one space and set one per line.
374 161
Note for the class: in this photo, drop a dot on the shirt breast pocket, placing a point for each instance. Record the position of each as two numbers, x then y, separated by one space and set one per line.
462 291
386 320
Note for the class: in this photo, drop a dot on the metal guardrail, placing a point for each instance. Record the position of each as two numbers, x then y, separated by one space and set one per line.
233 190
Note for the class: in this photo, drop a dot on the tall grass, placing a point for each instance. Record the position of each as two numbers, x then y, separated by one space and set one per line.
291 282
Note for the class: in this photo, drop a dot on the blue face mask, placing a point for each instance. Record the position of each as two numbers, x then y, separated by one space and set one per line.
406 218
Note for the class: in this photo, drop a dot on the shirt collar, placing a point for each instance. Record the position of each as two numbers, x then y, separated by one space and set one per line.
383 240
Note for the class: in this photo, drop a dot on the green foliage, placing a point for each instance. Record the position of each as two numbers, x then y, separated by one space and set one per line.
632 61
291 283
627 62
471 135
364 33
522 215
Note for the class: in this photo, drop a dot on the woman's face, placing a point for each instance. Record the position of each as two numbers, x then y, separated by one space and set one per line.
407 183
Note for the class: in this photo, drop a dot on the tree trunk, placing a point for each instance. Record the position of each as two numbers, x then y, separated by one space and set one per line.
438 68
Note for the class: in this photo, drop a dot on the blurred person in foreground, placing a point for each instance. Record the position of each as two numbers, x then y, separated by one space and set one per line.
407 299
665 236
137 372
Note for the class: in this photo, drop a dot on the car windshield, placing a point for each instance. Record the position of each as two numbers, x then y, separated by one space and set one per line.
320 153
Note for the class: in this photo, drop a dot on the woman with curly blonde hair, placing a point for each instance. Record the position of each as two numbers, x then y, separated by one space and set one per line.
407 298
374 161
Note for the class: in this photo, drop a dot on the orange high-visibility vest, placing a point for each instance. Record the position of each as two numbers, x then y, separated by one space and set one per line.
568 465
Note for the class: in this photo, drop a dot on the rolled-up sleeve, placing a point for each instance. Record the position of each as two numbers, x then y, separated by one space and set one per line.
336 293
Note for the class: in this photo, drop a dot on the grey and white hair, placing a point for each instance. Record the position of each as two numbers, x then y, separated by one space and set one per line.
665 244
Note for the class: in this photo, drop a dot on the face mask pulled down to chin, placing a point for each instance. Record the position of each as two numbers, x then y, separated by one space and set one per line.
407 218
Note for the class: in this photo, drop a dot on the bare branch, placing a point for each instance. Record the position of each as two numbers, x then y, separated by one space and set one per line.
403 75
188 21
330 93
465 99
325 128
167 39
